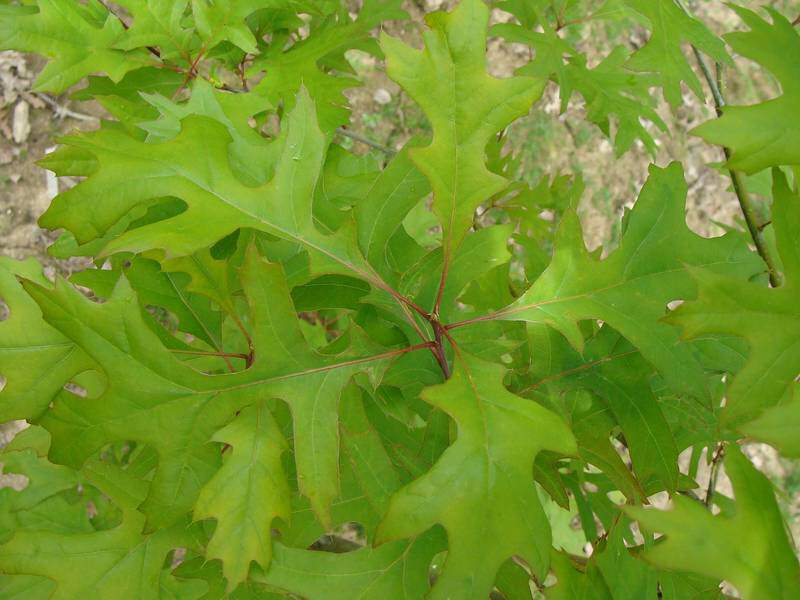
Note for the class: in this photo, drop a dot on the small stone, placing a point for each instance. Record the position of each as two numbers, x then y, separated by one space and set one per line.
21 125
6 156
15 177
382 96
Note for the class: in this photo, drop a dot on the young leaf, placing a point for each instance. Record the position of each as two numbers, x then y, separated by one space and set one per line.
481 489
765 134
158 23
671 25
49 358
443 79
225 21
300 65
396 570
77 39
609 90
246 494
124 562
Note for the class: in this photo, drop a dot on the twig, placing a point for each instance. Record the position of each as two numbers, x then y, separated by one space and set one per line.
192 72
745 203
366 141
442 284
63 111
739 188
716 460
441 357
796 21
154 51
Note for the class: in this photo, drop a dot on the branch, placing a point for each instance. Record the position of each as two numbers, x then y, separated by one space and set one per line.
63 111
745 203
439 353
364 140
716 461
154 51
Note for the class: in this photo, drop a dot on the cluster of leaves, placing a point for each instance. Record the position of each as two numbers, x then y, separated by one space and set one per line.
272 356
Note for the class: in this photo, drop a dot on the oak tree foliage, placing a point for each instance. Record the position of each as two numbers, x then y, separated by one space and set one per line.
284 342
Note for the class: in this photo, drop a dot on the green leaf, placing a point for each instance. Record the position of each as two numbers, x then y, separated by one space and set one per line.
363 446
379 215
246 494
765 134
610 90
217 202
49 358
156 287
768 319
79 40
41 503
26 587
394 570
158 23
124 99
301 65
630 289
778 426
481 489
251 156
750 548
184 407
225 21
286 348
671 26
616 372
124 562
443 79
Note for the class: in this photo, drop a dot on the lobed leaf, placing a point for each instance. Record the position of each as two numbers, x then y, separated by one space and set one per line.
443 79
481 488
765 134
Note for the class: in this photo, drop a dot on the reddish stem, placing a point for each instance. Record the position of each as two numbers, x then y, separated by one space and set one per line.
439 353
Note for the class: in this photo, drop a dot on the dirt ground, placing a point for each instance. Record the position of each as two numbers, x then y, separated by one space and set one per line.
547 142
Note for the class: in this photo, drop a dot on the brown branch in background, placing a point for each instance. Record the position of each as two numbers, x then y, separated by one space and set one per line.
713 475
242 74
63 111
364 140
796 21
745 202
